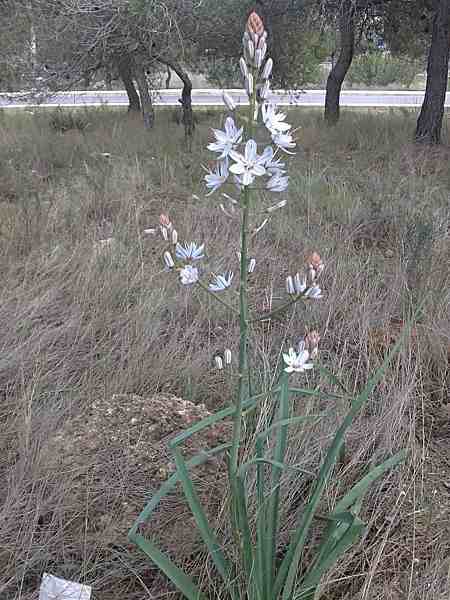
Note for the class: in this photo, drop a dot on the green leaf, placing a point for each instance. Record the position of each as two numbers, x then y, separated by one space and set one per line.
182 581
308 586
239 497
200 518
360 488
272 506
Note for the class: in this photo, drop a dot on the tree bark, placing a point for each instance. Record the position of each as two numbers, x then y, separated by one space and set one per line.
186 98
429 123
147 110
124 67
340 69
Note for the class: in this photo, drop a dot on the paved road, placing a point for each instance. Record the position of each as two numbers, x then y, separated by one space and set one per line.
209 97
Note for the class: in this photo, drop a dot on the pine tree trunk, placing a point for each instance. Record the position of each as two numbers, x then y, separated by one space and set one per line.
124 67
340 69
147 110
429 123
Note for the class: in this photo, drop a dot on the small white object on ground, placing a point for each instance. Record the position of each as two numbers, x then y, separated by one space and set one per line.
54 588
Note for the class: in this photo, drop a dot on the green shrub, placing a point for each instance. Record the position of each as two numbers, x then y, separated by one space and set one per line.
381 69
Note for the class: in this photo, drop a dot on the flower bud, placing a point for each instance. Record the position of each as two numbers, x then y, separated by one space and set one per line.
258 58
255 39
252 265
267 71
219 362
250 50
315 266
228 101
244 68
312 343
164 220
255 24
227 356
290 289
174 237
300 283
264 91
168 260
249 84
164 233
262 42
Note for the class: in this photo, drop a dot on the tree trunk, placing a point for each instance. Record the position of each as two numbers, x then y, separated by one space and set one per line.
147 110
168 78
340 69
126 75
429 123
186 99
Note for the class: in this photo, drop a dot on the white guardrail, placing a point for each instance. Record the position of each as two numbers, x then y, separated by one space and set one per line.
213 97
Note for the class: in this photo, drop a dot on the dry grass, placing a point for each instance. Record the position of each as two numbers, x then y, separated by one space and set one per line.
79 326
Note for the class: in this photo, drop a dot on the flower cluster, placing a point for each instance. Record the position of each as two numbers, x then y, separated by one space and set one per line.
306 283
242 159
186 256
296 361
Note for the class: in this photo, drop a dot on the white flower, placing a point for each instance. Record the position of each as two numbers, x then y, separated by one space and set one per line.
214 179
168 260
284 141
259 57
226 140
174 237
251 265
249 165
188 275
228 101
314 292
221 282
267 69
219 362
189 251
297 362
272 120
277 183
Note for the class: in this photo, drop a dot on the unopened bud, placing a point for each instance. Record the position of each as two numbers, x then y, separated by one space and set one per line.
252 265
250 50
168 260
227 356
174 237
290 289
255 24
258 58
255 39
276 206
219 362
228 101
315 265
312 343
300 283
267 71
264 91
164 233
244 68
164 220
249 85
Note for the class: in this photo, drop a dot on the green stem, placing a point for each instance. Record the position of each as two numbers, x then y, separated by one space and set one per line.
243 337
243 375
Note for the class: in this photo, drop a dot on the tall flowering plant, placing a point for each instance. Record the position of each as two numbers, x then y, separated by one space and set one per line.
250 155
